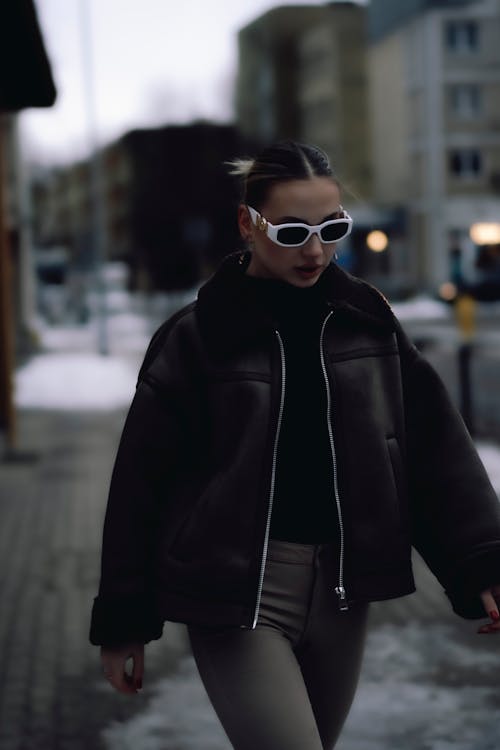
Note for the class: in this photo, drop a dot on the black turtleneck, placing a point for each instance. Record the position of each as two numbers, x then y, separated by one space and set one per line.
304 507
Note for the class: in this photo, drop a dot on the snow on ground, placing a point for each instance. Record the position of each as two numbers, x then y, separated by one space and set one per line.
70 373
420 689
179 715
421 307
126 333
74 381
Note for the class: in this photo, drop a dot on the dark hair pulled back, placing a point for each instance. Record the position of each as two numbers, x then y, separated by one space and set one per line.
280 162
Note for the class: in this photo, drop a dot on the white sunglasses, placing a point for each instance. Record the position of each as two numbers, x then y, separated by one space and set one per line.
297 234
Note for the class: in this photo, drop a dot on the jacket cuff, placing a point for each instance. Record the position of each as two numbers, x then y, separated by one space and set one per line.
478 572
117 620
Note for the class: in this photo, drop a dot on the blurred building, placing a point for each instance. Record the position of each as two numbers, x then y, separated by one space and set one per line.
167 200
182 202
434 69
267 101
63 207
332 92
303 74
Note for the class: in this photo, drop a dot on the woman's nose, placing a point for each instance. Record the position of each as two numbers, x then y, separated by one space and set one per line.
313 246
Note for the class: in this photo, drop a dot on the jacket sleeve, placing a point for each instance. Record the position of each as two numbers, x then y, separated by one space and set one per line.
454 508
124 609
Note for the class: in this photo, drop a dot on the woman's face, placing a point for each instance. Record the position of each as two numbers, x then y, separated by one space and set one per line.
310 201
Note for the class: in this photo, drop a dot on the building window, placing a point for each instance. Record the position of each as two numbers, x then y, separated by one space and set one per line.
462 36
465 100
465 163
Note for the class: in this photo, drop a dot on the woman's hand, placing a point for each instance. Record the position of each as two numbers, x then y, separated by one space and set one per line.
114 661
490 599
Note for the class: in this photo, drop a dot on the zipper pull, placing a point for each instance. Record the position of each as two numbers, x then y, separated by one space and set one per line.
340 591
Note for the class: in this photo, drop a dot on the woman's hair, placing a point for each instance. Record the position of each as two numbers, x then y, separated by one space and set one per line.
280 162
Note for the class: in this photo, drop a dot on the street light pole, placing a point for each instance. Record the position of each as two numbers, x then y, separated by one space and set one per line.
98 216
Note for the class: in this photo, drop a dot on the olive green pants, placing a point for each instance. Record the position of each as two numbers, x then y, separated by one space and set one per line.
289 683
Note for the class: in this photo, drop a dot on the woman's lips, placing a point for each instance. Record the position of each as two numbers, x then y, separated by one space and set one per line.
307 270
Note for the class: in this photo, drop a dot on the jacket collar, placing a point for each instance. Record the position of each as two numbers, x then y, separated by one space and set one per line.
229 316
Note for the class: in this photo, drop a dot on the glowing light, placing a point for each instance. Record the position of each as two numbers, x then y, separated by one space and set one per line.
377 241
448 291
485 233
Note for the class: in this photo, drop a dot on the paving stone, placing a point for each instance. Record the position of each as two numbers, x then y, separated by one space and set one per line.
52 692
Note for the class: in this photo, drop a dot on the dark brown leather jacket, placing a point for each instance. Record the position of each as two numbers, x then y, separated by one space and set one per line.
186 527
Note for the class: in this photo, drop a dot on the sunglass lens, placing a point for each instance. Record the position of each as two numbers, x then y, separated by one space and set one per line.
334 232
292 235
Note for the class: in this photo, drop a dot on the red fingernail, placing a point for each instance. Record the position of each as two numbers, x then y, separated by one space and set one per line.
494 615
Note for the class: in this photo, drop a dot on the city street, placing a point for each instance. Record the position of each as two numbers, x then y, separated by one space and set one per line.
429 682
142 142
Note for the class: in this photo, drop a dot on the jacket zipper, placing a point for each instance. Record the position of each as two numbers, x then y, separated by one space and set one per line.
339 590
273 476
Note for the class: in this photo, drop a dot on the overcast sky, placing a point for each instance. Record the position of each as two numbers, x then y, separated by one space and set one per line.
155 61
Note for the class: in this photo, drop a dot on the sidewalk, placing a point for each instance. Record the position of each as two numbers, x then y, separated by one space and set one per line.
428 680
52 693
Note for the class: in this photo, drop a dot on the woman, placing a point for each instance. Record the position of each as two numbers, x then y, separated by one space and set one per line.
286 446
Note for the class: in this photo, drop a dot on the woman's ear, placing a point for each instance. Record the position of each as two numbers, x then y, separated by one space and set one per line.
244 222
